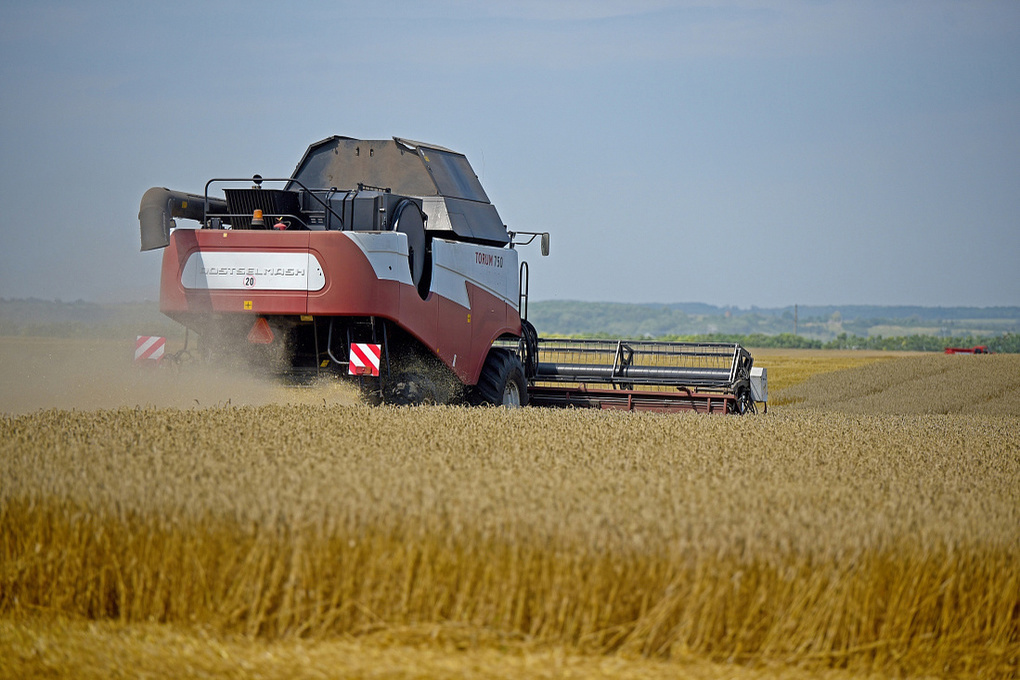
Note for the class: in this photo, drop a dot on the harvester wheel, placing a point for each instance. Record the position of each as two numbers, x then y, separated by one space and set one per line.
371 393
502 381
745 403
411 389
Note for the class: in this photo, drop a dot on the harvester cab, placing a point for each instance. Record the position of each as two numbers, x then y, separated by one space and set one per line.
386 261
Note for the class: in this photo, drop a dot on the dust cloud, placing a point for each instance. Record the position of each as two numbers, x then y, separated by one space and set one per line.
43 373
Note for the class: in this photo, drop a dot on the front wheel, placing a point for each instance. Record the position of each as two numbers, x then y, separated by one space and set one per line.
745 402
502 381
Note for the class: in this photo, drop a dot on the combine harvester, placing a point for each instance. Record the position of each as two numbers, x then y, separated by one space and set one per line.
976 349
384 259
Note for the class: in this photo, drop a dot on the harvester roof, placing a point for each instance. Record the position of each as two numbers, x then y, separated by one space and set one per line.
409 168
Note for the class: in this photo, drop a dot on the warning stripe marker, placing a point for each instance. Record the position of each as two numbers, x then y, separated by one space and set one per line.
149 348
364 359
260 333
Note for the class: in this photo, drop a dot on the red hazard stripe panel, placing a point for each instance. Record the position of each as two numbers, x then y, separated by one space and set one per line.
149 347
364 359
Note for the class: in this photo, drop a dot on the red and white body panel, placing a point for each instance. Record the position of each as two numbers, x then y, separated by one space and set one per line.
472 301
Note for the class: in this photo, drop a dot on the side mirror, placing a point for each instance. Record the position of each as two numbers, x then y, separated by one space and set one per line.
545 244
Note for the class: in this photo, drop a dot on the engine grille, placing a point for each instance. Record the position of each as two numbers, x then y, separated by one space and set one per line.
272 202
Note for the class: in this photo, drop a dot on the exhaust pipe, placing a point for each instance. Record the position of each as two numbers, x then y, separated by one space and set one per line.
160 205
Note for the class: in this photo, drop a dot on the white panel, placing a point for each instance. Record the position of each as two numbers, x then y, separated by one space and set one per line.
386 252
759 383
453 265
491 269
252 270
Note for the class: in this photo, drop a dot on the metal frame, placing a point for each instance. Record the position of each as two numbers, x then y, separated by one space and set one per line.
625 363
258 180
635 375
632 400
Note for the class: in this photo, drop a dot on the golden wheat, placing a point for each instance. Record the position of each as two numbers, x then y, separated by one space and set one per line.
789 367
885 544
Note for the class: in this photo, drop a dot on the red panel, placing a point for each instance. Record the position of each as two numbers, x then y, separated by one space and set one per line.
175 300
351 289
454 341
491 318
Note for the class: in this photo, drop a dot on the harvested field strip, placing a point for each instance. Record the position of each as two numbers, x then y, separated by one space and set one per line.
926 384
881 544
787 368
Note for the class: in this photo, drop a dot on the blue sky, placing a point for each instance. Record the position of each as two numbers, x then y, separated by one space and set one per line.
736 153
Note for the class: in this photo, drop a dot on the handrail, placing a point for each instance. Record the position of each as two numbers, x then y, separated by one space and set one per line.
523 283
258 179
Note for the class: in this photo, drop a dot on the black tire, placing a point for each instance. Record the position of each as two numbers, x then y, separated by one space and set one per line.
744 402
410 389
371 393
502 381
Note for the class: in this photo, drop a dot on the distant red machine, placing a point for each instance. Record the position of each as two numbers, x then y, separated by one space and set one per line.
976 349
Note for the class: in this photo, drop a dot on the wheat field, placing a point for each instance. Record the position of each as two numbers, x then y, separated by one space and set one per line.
337 540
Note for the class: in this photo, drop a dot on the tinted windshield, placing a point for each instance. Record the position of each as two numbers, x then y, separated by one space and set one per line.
453 175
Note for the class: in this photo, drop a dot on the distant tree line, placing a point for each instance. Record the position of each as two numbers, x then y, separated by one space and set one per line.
571 317
1007 343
